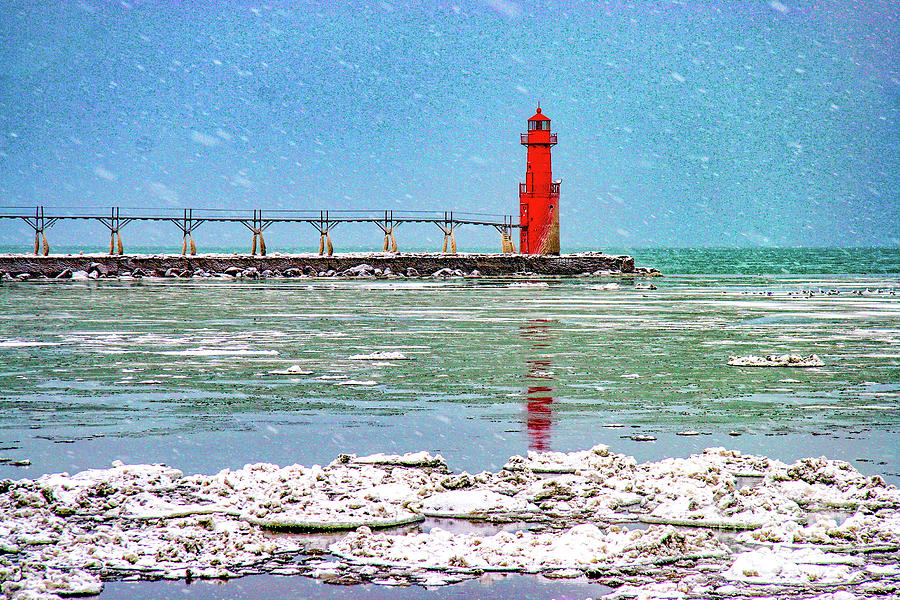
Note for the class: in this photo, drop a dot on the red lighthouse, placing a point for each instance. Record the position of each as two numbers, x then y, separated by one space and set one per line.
539 195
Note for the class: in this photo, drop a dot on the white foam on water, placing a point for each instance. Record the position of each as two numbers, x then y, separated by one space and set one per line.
380 355
25 344
357 382
528 284
218 352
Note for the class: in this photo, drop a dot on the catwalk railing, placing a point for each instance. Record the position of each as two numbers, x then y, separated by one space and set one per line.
187 220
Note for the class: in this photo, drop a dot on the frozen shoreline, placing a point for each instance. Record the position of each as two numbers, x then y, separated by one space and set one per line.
567 515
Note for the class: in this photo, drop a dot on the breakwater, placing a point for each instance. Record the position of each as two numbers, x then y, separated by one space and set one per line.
294 265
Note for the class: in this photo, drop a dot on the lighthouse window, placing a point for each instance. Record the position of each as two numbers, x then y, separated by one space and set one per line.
538 125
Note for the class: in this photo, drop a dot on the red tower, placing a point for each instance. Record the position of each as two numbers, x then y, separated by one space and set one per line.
539 195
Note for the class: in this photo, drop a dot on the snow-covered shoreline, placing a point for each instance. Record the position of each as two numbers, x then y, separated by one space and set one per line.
575 514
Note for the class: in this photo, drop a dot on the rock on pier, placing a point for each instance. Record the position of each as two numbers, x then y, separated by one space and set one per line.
287 265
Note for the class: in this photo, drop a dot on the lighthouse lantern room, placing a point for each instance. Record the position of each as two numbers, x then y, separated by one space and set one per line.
539 195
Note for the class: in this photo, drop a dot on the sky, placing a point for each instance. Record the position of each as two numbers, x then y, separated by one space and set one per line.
752 123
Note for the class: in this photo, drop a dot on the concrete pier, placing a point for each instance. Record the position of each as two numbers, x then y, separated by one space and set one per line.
16 265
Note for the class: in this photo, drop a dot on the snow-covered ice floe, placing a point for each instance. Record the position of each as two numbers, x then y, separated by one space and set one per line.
569 514
475 503
776 360
292 370
792 565
580 548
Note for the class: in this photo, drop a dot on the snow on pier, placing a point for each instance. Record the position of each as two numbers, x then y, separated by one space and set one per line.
356 265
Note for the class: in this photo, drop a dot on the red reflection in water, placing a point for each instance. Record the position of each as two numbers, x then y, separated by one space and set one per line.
540 394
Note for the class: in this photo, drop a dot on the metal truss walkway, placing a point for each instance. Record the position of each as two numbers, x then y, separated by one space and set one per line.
187 220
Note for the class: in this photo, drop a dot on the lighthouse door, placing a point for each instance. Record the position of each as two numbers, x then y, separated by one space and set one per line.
525 220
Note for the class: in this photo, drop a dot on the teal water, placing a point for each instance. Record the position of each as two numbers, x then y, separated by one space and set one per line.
695 261
767 261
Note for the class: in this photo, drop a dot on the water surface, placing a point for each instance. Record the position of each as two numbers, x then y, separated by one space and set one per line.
206 375
181 372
